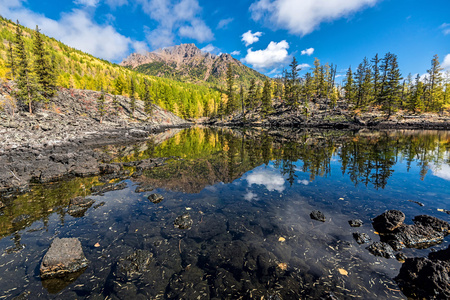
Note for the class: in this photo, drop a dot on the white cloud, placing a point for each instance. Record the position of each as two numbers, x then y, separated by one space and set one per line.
308 51
274 55
249 196
446 63
91 3
272 180
173 16
250 38
445 28
303 66
304 182
197 30
224 23
236 52
303 17
442 171
76 29
211 49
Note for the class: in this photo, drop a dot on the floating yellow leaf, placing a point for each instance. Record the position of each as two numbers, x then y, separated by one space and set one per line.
440 209
97 245
343 272
281 239
341 199
283 266
376 232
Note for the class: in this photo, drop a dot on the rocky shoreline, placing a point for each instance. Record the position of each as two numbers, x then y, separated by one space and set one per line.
320 116
59 139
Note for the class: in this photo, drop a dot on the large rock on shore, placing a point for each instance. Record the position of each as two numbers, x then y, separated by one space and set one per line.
426 278
65 256
425 232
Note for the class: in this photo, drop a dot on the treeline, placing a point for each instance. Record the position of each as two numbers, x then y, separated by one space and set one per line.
377 83
73 68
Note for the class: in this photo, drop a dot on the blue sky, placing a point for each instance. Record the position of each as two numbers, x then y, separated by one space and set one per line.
263 34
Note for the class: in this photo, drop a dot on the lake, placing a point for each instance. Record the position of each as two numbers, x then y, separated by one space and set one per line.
247 198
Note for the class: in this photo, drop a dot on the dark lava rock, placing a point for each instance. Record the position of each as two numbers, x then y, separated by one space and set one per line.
396 245
381 249
361 238
416 236
155 198
64 256
121 175
433 222
109 168
388 221
355 223
100 189
400 257
317 215
79 205
426 278
183 222
144 188
133 266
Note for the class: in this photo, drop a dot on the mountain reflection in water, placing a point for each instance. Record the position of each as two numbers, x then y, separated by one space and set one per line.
249 195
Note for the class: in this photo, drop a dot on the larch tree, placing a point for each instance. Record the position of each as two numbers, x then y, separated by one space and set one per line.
292 94
231 103
349 87
391 89
132 96
376 75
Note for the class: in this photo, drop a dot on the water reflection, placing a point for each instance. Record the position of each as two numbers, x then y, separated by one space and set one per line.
248 195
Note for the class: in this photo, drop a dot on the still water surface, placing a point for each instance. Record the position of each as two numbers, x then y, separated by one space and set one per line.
249 195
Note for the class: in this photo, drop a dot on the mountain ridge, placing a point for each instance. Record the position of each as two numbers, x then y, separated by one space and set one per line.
188 63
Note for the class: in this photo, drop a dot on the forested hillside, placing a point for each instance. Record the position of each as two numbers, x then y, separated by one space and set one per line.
76 69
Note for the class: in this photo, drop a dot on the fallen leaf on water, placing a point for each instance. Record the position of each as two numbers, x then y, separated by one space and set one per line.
188 208
97 245
341 198
281 239
376 232
343 272
440 209
282 266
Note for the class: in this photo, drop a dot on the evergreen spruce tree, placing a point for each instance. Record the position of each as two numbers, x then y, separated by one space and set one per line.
148 106
415 99
11 62
43 68
242 98
231 105
349 87
266 98
116 104
308 87
28 90
435 91
251 96
376 75
391 89
292 96
363 82
101 105
132 96
317 74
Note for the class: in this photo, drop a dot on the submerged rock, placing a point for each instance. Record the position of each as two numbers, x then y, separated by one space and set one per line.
317 215
155 198
20 219
388 221
134 265
144 188
100 189
183 222
78 206
64 256
381 249
355 223
361 238
426 278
